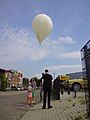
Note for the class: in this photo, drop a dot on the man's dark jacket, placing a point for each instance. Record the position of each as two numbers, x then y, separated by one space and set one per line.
47 84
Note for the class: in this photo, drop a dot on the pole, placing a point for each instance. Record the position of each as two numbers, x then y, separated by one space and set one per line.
54 76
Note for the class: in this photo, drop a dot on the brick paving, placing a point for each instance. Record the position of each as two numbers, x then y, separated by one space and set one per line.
68 108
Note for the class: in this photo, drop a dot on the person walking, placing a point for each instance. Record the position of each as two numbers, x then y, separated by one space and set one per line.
47 87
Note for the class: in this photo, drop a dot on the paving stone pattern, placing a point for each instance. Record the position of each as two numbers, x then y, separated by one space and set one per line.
64 109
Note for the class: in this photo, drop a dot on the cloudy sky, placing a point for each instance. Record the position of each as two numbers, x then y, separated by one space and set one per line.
60 52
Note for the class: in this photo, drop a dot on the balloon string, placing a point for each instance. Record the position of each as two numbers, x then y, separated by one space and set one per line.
39 46
38 50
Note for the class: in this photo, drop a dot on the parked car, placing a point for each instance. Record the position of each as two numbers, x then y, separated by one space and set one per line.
8 88
17 88
20 88
14 88
74 84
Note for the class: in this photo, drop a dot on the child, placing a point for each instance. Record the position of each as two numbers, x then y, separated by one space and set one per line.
29 96
34 92
33 84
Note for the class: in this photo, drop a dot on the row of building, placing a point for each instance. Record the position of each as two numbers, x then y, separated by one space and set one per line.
10 78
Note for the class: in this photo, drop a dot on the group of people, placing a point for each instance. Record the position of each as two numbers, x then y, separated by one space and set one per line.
46 87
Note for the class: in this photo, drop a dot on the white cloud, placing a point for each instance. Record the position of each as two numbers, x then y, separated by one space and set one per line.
58 48
17 45
72 55
60 70
39 54
66 40
63 69
20 44
59 42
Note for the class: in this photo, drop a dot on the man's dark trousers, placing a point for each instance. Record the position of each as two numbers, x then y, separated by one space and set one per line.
47 92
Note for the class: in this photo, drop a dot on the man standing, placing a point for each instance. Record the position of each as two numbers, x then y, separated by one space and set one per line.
47 87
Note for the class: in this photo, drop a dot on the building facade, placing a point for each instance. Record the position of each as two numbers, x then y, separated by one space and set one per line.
10 78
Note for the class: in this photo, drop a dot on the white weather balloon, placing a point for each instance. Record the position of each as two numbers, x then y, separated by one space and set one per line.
42 25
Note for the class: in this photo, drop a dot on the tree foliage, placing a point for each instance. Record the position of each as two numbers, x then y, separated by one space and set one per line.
3 82
25 81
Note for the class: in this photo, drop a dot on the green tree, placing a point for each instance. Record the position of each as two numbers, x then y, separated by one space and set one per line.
3 82
25 82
